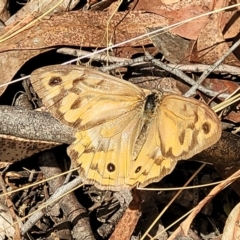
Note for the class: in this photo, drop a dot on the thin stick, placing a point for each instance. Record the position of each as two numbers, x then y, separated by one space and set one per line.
184 77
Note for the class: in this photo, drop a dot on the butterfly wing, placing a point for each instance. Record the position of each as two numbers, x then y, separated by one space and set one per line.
105 159
82 97
180 128
106 113
150 165
186 127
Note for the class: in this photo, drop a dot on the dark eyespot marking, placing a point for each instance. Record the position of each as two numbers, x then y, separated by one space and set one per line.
55 81
206 127
138 169
111 167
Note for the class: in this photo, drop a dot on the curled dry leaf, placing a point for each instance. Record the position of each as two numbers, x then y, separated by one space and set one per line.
230 23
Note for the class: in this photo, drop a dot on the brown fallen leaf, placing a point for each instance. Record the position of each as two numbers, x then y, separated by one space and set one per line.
227 86
230 23
168 44
86 29
28 13
13 61
129 220
177 11
211 44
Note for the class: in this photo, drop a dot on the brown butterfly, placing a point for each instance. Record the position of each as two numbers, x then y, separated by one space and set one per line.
125 136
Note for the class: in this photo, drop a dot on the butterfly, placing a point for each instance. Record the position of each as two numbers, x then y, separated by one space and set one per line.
125 136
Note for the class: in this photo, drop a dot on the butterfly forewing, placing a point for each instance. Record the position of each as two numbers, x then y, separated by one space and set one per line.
82 98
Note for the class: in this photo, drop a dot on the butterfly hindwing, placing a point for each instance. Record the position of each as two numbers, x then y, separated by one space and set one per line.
105 156
150 165
186 127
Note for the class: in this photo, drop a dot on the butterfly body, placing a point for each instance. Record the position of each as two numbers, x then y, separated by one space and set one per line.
125 136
